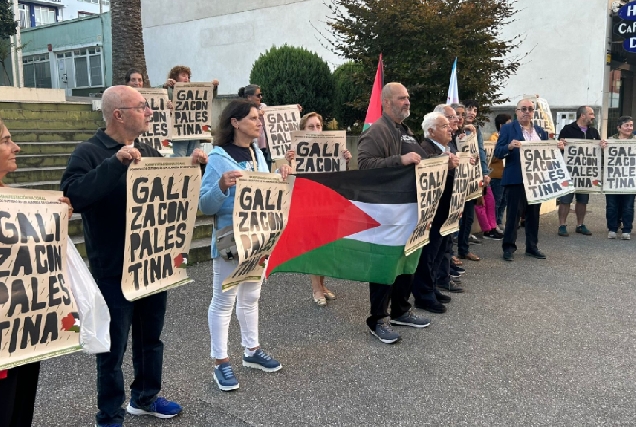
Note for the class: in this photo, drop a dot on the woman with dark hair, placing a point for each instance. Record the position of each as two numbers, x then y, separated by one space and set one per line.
235 151
18 386
314 122
619 208
496 173
253 94
134 78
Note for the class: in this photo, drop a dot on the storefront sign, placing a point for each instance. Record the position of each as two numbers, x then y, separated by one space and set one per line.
628 12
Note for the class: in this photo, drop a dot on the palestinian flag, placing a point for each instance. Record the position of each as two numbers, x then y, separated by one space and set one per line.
350 225
374 112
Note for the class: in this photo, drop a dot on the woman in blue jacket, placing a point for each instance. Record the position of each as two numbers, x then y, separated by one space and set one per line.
234 151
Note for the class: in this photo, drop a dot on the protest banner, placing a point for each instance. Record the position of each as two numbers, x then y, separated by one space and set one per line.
261 210
620 167
430 179
163 195
192 111
468 144
545 175
280 122
458 199
160 127
542 116
319 152
489 147
583 160
38 315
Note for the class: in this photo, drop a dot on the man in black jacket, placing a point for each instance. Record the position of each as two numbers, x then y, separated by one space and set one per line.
95 182
580 129
390 143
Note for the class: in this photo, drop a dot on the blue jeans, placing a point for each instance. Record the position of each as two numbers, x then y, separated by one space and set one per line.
184 148
499 192
468 217
623 203
145 316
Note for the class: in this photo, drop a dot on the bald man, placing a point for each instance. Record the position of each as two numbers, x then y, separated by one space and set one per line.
95 182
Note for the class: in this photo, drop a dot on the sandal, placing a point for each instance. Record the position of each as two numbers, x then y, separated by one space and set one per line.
471 256
321 301
456 261
328 294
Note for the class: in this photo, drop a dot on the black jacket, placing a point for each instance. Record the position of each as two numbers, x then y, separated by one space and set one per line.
573 131
95 182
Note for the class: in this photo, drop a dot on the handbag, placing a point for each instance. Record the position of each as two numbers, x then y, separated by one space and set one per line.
225 242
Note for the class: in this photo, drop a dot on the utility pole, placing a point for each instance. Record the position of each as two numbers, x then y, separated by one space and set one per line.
16 51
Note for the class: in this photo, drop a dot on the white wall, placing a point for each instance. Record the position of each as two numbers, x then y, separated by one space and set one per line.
222 38
72 7
567 41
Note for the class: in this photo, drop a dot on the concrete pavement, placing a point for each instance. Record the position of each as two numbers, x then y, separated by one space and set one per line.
533 343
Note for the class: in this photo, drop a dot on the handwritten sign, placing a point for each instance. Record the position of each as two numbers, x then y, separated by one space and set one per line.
489 147
583 160
458 199
469 145
542 115
620 166
38 314
545 175
430 179
192 111
261 210
280 122
319 152
160 128
163 196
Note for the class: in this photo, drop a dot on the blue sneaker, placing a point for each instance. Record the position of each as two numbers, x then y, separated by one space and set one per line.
160 408
263 361
225 378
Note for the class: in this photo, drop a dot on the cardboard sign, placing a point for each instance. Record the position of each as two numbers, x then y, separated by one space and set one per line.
583 160
620 166
430 179
475 183
280 122
545 175
261 210
38 314
163 195
542 115
160 128
489 147
458 199
192 111
319 152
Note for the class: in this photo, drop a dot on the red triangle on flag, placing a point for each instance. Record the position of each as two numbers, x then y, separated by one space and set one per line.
318 215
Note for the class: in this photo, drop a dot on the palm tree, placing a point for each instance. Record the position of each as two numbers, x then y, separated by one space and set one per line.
128 40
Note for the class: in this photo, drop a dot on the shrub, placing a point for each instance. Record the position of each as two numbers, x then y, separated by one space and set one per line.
351 99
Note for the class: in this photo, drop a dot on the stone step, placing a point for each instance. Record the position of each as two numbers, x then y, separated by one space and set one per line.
46 106
28 175
70 124
39 160
39 185
47 148
51 135
22 114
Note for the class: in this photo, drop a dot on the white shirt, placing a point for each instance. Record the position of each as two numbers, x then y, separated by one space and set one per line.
440 146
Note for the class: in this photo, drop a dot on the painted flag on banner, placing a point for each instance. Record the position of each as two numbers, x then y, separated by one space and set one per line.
453 90
374 112
350 225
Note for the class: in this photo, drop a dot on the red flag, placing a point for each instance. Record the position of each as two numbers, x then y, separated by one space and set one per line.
375 104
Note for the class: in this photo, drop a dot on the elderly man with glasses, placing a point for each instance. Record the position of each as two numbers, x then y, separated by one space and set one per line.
95 182
507 148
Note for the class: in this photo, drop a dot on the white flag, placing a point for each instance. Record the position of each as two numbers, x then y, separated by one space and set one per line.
453 91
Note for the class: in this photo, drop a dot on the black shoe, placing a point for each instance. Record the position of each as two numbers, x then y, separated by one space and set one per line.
536 253
432 306
457 269
452 287
508 256
454 274
493 235
444 299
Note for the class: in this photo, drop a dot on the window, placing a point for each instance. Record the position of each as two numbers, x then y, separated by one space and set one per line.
25 16
37 71
104 2
44 15
88 67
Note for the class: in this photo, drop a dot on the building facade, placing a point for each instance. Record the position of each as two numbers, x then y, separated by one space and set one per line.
34 13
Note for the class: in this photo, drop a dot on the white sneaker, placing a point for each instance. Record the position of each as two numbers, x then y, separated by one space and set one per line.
611 235
626 236
499 229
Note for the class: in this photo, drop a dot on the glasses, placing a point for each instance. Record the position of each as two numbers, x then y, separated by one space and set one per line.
526 109
138 107
452 117
443 126
260 95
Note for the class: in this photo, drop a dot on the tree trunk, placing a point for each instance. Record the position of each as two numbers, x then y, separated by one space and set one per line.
128 40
